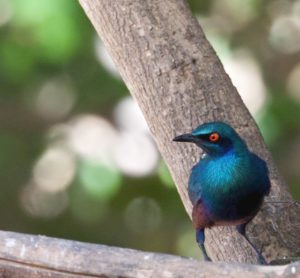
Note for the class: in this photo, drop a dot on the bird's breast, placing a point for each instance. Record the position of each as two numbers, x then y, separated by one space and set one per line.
226 186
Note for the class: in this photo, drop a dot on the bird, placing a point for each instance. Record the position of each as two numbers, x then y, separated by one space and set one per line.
228 184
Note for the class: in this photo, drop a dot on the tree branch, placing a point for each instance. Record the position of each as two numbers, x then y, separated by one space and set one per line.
29 256
179 83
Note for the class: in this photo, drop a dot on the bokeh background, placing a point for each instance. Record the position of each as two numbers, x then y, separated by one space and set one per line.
76 157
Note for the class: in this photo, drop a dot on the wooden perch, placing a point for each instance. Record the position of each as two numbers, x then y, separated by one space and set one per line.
30 256
179 82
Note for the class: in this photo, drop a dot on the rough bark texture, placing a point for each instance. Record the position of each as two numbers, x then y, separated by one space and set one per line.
179 83
29 256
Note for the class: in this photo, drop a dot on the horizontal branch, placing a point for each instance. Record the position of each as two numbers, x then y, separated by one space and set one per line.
26 256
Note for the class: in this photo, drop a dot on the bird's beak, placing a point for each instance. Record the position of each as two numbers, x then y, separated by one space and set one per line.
184 138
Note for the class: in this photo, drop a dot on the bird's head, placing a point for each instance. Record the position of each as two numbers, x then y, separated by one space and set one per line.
215 138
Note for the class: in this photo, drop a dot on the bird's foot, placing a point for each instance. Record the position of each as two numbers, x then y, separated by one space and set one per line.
200 237
206 258
261 259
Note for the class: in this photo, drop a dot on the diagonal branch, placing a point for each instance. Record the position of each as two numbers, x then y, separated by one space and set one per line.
179 82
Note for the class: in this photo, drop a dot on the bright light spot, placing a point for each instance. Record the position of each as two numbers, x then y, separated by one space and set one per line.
143 215
246 77
104 58
55 170
39 203
92 137
285 34
135 154
98 180
128 115
293 83
6 11
55 99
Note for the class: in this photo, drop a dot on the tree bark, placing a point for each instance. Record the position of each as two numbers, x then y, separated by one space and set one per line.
179 82
30 256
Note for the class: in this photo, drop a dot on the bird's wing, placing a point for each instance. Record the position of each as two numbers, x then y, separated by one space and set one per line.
194 186
264 175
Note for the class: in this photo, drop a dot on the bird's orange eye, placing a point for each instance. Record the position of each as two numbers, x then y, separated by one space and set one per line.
214 137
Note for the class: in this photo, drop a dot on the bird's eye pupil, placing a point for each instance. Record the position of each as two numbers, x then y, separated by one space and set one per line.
214 137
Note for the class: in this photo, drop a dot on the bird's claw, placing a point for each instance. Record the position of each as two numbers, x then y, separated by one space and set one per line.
261 259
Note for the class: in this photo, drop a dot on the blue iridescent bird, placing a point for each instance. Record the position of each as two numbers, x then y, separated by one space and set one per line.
228 185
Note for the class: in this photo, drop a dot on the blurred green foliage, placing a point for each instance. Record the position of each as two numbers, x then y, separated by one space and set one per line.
44 40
